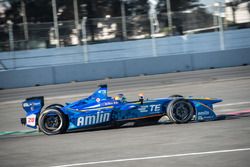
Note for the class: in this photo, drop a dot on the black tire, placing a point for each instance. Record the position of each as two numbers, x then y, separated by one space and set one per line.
52 121
176 96
54 105
180 111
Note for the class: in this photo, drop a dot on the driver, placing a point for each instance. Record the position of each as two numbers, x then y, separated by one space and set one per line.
121 98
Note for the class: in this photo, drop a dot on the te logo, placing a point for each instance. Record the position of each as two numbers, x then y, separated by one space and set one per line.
155 107
150 108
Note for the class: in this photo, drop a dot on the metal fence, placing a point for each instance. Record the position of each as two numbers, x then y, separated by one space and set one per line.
24 36
165 46
131 34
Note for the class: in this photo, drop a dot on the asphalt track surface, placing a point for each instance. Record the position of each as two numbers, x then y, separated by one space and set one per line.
223 143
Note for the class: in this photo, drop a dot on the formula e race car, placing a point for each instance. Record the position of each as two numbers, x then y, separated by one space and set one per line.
100 110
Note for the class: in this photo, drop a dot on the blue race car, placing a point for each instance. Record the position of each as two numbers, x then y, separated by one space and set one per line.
100 110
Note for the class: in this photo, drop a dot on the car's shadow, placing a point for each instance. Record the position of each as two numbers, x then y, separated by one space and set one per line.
125 125
137 124
131 125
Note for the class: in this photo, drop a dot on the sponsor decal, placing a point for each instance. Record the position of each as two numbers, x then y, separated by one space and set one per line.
98 100
26 105
31 120
102 91
100 117
143 109
110 103
200 118
31 104
150 108
203 113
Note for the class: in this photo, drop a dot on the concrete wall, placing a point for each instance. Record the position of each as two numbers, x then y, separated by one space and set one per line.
227 58
167 46
28 77
90 71
123 68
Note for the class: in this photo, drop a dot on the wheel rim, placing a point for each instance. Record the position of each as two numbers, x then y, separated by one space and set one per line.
52 122
182 111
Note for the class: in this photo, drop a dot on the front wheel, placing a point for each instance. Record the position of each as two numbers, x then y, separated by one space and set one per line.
52 121
180 111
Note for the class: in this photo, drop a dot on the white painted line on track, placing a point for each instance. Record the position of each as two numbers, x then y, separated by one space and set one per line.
153 157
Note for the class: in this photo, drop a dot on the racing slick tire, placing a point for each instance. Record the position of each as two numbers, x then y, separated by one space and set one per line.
54 105
180 111
52 121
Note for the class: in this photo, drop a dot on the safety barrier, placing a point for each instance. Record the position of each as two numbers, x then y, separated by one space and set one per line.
166 46
123 68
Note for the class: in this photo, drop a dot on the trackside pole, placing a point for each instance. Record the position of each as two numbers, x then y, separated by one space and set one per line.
11 42
55 20
84 38
123 13
152 36
218 5
76 16
153 23
25 24
169 13
222 45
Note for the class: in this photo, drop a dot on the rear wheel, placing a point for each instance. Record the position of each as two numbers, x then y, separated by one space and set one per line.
175 96
180 111
52 121
54 105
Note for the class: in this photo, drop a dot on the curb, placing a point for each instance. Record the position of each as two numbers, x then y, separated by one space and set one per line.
21 132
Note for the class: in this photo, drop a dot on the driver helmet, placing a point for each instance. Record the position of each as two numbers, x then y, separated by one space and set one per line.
120 97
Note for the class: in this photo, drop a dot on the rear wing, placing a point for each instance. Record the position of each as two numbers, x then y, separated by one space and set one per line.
32 107
33 104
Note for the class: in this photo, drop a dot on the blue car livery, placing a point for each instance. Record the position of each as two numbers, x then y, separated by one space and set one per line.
100 110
